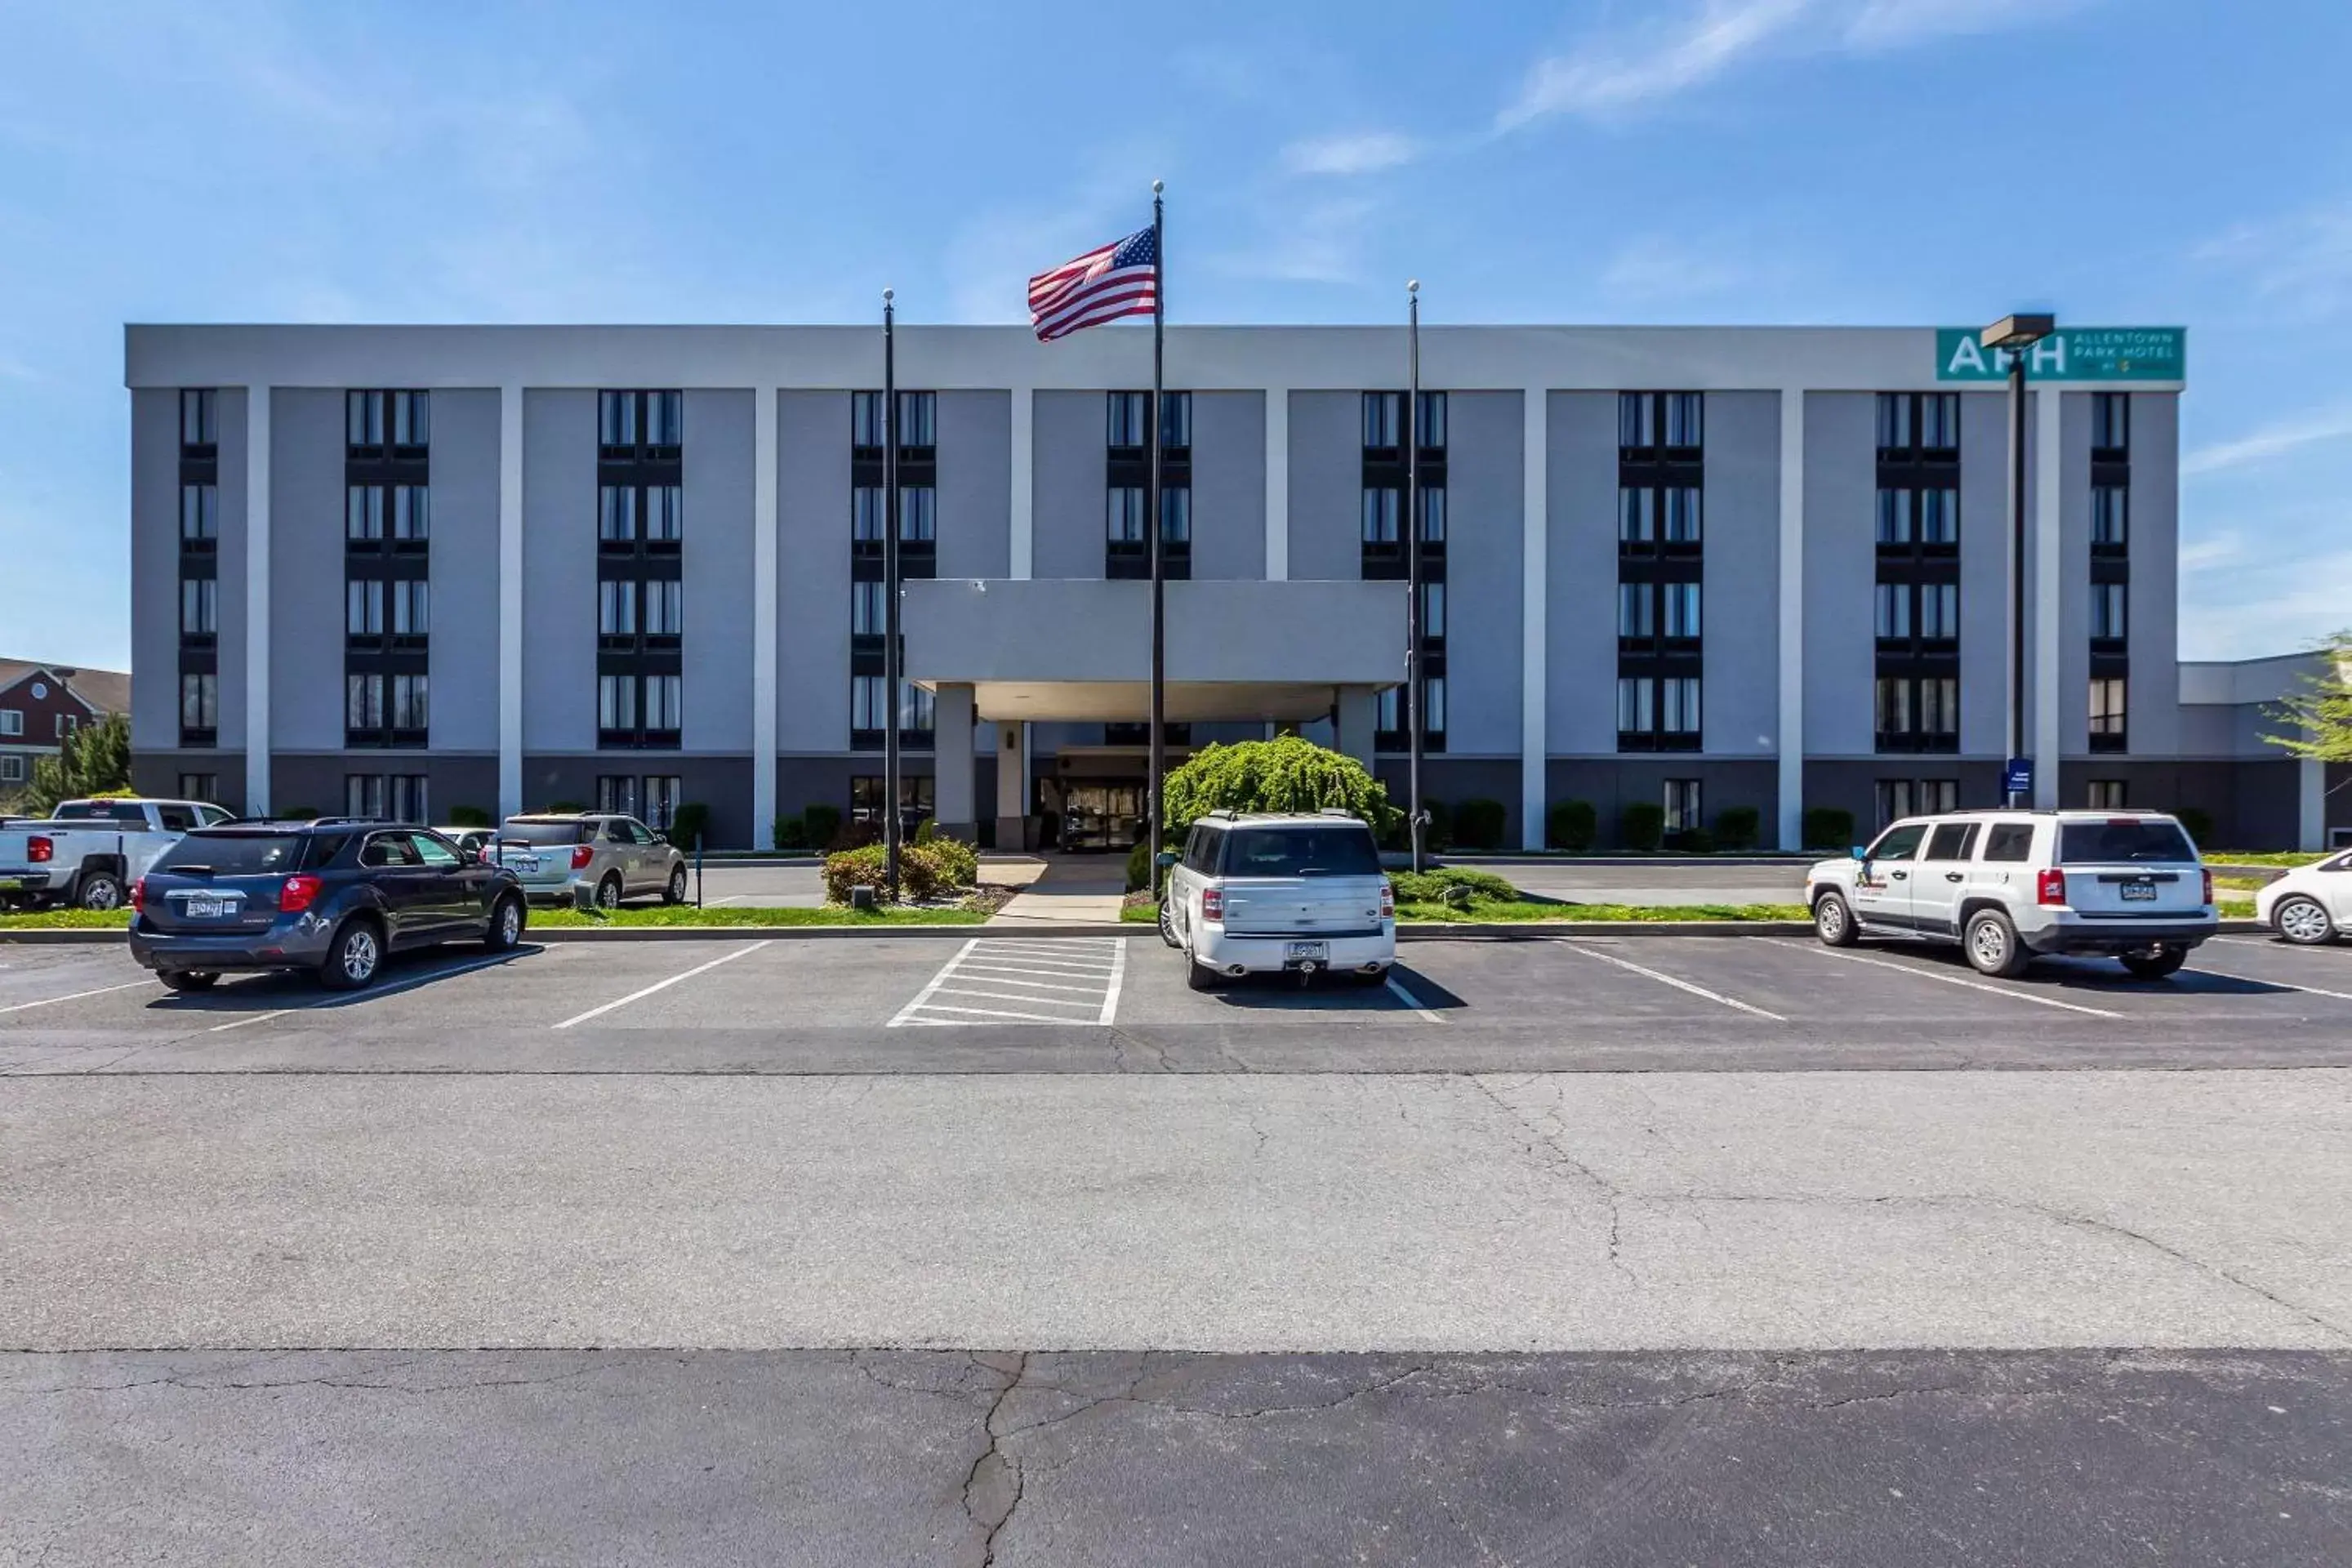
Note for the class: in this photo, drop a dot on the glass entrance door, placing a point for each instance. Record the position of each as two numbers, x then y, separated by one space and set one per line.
1102 816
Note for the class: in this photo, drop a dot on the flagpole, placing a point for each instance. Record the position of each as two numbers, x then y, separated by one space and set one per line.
1412 678
889 598
1157 815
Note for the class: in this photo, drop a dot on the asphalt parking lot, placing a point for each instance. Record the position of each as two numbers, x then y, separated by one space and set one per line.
981 1002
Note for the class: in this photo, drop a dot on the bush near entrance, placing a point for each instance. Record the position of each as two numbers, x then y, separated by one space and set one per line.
1827 828
1570 826
939 869
1736 828
1478 824
1288 774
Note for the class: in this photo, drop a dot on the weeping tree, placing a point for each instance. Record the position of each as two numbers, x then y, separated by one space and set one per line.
1287 773
2319 715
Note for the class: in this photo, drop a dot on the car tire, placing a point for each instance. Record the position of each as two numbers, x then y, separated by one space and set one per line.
1168 926
1199 977
674 894
2303 921
2154 966
608 892
1992 946
99 891
353 956
189 978
506 927
1372 982
1834 921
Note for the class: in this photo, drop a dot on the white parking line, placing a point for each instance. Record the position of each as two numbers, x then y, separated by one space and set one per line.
346 998
1990 990
73 996
727 957
1396 988
1084 973
2281 984
1677 984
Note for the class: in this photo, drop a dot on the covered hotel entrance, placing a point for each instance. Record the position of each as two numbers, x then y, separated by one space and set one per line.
1002 656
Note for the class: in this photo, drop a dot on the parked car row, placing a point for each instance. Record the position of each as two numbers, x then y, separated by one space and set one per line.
86 853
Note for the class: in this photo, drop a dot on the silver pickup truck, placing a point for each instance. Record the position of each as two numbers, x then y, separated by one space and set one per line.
86 853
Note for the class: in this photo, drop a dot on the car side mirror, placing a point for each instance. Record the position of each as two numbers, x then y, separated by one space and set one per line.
471 856
1860 852
1168 858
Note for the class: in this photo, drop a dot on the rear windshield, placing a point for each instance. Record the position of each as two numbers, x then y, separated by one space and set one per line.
100 811
234 854
1301 852
545 832
2095 843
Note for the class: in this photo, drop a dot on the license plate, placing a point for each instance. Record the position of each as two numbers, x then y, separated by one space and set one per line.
522 862
1310 950
2139 892
208 908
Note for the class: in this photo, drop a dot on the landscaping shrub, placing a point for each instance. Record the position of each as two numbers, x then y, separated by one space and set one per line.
927 830
2196 824
1138 866
1735 827
1570 826
688 823
790 834
1695 841
296 813
956 863
468 816
1439 834
1288 774
1827 828
1431 887
820 825
560 808
1480 824
925 871
1642 824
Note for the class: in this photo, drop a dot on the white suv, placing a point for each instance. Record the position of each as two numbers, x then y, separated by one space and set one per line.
2010 885
1259 892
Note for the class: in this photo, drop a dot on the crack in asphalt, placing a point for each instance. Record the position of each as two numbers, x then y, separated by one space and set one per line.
1561 1158
992 1487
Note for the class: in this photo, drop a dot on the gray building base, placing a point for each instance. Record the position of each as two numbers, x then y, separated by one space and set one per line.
1612 784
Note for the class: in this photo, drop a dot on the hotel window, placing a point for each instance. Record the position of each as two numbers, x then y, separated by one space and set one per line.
617 512
1388 715
869 703
665 608
1432 705
2107 700
199 607
866 425
1939 611
363 512
1432 411
1678 706
1637 512
915 797
363 419
869 606
409 693
664 702
364 702
1682 804
665 514
661 798
1432 516
412 512
200 513
1637 616
915 709
1383 419
2110 518
199 786
1176 515
617 794
919 420
412 424
616 702
363 795
199 702
632 419
1637 419
2107 794
1895 612
1176 419
1939 419
616 609
1432 611
1894 517
412 607
1917 713
1933 419
917 514
868 514
2107 612
1940 517
2111 421
199 420
1123 514
1899 798
1681 608
1125 415
1681 507
1383 510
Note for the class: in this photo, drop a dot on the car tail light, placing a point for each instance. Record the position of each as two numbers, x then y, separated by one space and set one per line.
138 894
39 849
1387 901
2050 887
2209 887
297 893
1212 904
581 855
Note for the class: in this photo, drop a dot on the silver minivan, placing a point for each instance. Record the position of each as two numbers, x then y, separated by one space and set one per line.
1256 892
616 856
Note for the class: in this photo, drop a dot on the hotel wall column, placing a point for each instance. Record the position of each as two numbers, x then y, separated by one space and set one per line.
1011 787
1278 484
1791 721
511 569
1358 713
257 601
1535 605
955 790
2311 798
763 617
2049 574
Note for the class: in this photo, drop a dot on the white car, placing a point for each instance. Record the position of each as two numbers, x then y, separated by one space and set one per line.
1256 892
2009 886
2310 904
88 853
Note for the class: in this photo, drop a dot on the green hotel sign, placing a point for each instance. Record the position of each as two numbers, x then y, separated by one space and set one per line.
2071 353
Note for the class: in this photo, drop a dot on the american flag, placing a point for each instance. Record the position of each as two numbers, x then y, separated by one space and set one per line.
1121 278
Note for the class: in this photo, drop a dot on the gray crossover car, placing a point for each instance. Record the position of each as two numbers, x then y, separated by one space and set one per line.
615 857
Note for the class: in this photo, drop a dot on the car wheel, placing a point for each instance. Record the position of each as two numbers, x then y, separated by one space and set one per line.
1992 946
1371 982
99 890
1168 925
189 978
675 892
1199 977
2303 921
354 959
2155 965
506 925
608 892
1834 921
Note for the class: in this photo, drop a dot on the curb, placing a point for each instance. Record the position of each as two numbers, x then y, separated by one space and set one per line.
1512 930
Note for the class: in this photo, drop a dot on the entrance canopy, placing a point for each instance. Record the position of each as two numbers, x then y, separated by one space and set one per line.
1079 650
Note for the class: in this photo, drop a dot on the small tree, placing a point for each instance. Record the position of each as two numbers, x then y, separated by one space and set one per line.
1287 773
94 759
2321 713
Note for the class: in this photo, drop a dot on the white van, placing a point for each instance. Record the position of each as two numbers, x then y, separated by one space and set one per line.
1256 892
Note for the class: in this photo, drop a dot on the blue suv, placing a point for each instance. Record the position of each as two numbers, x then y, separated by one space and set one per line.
335 896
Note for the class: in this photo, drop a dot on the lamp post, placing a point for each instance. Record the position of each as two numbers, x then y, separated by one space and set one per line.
2016 335
1413 592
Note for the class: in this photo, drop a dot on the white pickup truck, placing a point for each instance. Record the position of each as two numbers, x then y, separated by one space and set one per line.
86 853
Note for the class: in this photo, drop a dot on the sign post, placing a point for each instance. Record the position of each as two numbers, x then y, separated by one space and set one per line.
2016 780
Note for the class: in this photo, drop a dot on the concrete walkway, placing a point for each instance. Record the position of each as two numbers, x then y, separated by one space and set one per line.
1072 889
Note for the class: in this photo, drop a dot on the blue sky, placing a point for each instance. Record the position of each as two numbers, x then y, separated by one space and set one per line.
2121 162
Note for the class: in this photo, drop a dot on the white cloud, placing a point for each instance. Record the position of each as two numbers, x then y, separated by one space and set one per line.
1612 75
2302 261
1653 267
2250 605
2203 555
1350 153
1315 242
2271 442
